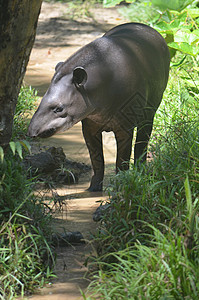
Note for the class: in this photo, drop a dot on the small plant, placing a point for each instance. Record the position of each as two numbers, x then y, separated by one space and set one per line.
26 103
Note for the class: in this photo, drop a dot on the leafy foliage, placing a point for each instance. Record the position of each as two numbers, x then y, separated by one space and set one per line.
172 4
181 30
26 254
176 20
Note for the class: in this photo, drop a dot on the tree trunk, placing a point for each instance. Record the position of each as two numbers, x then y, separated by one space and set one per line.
18 23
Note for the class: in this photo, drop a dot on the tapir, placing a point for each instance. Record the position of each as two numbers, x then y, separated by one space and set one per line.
114 83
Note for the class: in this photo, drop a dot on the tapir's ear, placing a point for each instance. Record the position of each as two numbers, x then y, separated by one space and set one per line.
79 76
58 65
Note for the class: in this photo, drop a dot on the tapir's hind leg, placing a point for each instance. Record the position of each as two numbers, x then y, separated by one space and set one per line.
124 148
142 140
93 139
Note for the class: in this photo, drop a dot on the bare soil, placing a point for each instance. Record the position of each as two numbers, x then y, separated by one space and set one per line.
59 36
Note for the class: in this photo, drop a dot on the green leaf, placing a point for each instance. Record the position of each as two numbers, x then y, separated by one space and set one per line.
196 32
193 12
26 145
1 154
168 28
111 3
13 147
163 27
177 5
191 83
187 36
19 149
185 48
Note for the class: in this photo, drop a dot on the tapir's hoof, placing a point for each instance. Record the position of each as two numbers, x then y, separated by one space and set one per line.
95 188
96 184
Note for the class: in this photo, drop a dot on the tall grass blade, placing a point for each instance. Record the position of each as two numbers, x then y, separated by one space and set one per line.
188 198
1 154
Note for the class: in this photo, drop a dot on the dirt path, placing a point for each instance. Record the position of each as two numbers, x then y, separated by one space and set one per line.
58 36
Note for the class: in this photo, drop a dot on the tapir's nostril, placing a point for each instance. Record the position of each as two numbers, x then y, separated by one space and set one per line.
31 134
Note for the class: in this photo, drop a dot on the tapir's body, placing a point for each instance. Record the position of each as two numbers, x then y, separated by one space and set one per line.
115 83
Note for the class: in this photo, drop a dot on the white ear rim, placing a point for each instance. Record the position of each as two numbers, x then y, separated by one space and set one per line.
58 65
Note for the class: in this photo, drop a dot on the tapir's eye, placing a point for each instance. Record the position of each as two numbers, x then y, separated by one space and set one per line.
58 109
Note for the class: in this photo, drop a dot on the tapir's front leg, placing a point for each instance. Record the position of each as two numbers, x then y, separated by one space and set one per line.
93 139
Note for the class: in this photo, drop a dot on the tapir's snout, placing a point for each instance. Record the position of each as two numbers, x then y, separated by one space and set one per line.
43 134
32 132
36 129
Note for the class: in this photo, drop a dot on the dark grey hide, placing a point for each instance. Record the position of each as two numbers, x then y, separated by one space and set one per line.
115 83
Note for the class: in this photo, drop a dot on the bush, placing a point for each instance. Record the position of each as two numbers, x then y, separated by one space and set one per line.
26 256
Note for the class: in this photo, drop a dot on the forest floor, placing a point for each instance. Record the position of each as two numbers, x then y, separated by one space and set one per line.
60 33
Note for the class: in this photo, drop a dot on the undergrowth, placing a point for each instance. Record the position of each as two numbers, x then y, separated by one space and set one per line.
26 251
26 256
147 241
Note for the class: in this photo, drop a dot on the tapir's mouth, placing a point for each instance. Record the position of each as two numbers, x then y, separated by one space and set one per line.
47 133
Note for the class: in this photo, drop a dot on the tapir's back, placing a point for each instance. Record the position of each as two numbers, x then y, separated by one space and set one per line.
145 47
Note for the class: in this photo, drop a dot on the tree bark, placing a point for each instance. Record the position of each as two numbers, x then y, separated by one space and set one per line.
18 23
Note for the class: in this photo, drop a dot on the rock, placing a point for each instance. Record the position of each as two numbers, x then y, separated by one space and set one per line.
53 165
41 163
57 154
97 216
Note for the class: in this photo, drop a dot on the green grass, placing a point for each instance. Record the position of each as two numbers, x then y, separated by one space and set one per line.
26 250
26 104
26 253
162 270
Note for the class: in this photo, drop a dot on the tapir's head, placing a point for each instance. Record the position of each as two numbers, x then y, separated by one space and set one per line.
63 105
